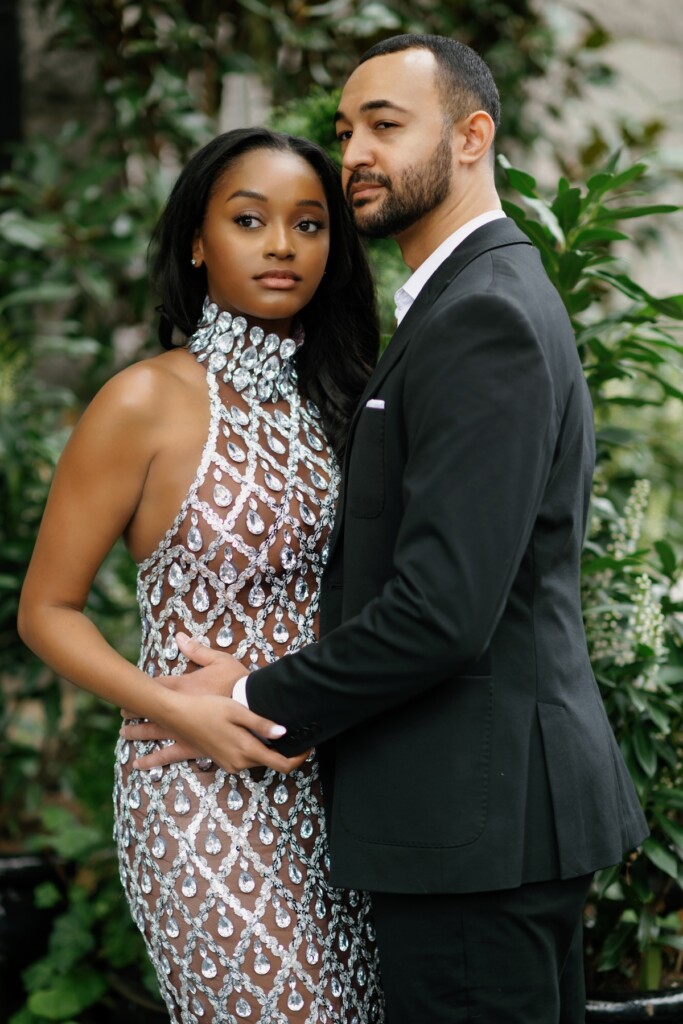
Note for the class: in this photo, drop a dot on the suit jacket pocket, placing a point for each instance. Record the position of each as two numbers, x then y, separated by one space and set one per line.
366 466
419 776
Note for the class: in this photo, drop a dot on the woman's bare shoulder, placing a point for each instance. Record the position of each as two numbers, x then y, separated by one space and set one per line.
144 389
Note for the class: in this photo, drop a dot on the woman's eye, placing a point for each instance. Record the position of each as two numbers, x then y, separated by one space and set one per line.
309 227
247 220
343 136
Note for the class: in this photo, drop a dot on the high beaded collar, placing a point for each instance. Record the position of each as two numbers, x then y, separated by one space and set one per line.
260 365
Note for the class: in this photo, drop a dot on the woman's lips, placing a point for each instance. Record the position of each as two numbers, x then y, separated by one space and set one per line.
278 279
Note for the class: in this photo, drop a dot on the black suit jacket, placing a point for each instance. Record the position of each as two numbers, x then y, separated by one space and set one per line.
462 738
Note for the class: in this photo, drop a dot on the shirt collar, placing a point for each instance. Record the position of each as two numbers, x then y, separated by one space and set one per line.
406 295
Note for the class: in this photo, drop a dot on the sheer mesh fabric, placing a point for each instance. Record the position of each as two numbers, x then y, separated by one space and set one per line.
226 875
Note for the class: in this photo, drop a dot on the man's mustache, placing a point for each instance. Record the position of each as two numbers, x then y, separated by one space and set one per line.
365 178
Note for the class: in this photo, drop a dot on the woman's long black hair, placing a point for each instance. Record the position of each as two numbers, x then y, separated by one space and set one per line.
340 321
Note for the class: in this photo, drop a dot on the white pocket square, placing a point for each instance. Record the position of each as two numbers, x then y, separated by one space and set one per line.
375 403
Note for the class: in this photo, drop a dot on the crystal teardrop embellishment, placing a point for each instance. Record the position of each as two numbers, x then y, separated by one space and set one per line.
318 481
282 918
273 481
306 828
301 589
212 844
295 1001
241 378
208 968
280 794
158 847
189 887
222 496
182 803
175 576
294 873
276 445
280 634
172 928
256 597
238 416
242 1008
307 514
217 361
155 596
265 834
288 558
239 325
200 598
261 964
264 389
236 453
194 539
271 368
287 348
255 523
234 800
224 636
171 649
272 343
224 927
249 358
314 441
246 882
227 571
312 954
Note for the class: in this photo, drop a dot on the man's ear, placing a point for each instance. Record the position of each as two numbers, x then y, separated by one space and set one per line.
477 132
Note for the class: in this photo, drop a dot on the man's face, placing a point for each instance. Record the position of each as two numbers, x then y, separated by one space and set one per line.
397 156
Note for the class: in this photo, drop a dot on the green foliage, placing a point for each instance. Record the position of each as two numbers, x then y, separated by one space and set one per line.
630 344
95 957
75 215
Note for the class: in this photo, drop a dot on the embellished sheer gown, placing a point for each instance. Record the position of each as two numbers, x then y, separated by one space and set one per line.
226 874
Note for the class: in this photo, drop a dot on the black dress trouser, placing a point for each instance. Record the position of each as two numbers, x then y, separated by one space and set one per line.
508 957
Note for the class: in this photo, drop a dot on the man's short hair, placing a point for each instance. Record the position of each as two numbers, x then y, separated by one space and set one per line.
464 80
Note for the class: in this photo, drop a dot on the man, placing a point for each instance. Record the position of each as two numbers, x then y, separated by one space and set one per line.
472 780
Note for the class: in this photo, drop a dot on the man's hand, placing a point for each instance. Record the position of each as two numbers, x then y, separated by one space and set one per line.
205 722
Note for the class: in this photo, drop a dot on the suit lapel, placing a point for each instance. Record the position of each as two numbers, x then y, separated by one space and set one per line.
494 235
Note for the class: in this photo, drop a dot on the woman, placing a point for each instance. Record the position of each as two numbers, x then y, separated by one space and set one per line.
225 874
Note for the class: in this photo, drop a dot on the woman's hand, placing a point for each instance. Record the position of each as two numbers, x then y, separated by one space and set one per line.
206 722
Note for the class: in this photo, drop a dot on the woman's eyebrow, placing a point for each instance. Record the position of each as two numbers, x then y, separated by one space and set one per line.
246 193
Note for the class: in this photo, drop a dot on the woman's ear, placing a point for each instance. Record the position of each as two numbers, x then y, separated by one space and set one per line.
197 251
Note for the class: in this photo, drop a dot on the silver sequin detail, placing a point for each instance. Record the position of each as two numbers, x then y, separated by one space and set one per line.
226 875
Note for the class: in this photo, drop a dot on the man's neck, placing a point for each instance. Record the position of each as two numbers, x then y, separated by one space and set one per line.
424 237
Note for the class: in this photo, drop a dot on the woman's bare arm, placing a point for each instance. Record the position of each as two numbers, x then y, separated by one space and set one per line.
98 487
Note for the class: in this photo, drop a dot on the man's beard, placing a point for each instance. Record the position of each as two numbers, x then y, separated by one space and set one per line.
419 190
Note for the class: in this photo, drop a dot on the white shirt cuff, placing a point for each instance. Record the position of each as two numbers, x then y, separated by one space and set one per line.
239 692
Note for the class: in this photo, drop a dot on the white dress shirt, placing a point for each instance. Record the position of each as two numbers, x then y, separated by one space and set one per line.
406 295
404 299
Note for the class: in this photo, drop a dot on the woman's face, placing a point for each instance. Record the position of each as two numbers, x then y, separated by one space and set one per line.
265 238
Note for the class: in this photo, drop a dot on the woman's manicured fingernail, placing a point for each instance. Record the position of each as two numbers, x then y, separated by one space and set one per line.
136 763
182 637
276 731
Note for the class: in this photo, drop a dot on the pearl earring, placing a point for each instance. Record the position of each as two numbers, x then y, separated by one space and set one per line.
193 262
